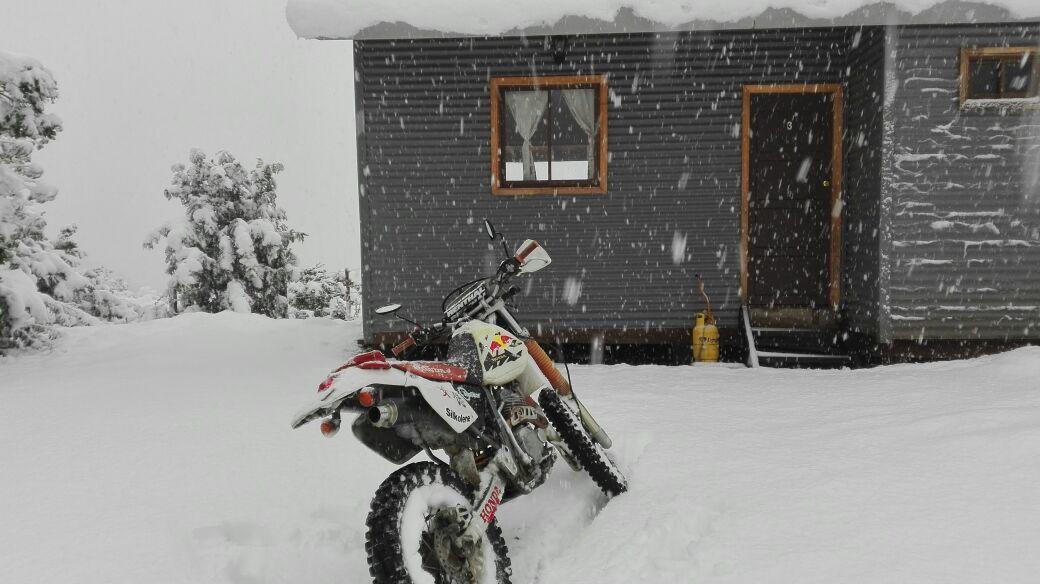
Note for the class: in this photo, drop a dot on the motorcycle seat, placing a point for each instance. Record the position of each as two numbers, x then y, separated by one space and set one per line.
433 370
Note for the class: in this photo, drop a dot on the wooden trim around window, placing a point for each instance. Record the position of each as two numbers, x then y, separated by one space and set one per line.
967 54
551 82
834 267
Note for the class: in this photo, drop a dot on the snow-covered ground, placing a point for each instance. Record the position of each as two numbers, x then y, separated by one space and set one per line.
160 452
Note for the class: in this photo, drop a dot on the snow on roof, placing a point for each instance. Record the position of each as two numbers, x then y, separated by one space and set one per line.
389 19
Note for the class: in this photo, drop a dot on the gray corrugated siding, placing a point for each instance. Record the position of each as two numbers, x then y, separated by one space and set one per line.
963 238
674 171
861 192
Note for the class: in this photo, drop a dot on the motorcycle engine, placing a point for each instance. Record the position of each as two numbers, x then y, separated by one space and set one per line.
533 442
528 424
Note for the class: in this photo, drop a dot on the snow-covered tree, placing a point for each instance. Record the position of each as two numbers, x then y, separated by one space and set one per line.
232 250
36 280
318 293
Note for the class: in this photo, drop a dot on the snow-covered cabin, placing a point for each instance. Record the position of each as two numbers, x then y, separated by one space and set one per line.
862 176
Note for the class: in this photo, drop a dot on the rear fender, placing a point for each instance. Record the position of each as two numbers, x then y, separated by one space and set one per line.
341 386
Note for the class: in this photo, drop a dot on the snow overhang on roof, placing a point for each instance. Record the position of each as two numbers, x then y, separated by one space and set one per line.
409 19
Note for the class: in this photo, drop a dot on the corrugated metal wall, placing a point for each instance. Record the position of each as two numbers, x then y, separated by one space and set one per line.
674 174
962 199
861 193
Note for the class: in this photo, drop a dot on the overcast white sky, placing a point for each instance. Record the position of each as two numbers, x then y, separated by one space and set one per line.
143 81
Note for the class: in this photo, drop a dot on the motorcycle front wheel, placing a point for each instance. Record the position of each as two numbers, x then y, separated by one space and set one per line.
585 450
403 542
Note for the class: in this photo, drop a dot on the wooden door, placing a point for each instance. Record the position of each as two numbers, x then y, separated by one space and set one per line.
790 194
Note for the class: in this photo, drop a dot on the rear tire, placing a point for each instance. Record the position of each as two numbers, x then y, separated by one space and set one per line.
587 452
393 529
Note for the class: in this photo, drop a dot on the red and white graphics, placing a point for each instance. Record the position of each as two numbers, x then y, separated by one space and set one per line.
503 357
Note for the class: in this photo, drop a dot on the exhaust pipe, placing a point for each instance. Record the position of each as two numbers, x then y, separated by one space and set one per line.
384 415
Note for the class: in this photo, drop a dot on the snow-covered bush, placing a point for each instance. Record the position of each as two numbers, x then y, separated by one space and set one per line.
232 248
108 297
99 291
316 292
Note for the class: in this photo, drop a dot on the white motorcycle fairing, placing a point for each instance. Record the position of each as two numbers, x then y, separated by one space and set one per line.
503 357
446 401
344 384
441 396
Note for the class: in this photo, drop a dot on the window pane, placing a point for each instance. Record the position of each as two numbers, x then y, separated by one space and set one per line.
574 134
984 78
548 136
1019 76
525 135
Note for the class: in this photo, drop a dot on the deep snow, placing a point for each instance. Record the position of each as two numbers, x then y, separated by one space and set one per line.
160 452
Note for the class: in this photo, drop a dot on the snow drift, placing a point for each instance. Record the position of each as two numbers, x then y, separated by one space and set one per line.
161 452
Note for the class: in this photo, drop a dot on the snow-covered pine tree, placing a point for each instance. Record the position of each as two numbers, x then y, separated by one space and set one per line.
36 281
232 250
318 293
42 283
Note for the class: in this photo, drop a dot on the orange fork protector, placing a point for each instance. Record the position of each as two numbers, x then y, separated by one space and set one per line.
545 365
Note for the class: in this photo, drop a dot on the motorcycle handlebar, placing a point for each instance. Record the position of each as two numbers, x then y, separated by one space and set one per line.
421 336
507 269
403 346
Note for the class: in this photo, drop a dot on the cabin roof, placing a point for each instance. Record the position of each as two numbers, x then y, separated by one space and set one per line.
415 19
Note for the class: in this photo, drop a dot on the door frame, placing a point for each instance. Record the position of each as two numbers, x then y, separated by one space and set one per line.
836 90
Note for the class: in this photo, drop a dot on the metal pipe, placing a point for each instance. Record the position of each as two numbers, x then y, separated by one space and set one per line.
383 415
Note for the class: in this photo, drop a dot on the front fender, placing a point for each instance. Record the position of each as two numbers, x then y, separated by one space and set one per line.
345 384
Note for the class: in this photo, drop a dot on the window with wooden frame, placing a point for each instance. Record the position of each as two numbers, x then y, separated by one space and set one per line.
549 135
999 73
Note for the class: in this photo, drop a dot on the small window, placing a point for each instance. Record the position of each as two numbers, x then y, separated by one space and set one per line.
1007 73
549 135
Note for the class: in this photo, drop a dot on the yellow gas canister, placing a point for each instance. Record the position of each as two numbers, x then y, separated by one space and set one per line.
705 340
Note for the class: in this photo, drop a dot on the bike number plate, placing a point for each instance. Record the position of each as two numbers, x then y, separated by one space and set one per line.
449 404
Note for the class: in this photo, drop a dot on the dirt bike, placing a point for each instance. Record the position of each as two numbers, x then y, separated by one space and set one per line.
435 521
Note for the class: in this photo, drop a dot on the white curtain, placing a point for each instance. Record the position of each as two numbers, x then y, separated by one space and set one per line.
527 108
582 103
